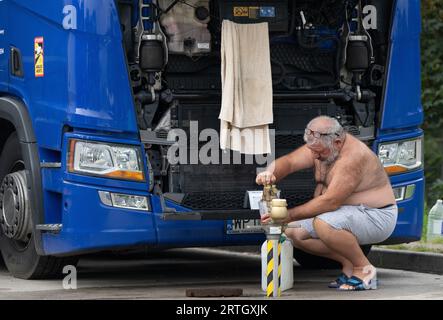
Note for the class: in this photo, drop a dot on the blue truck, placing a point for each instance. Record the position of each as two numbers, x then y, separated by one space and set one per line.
90 91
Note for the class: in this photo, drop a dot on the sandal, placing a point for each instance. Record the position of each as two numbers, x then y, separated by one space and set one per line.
342 279
356 284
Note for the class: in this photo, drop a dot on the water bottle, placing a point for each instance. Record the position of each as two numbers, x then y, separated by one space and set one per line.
287 265
435 221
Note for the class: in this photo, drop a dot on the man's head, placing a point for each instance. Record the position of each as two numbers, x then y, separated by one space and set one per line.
325 137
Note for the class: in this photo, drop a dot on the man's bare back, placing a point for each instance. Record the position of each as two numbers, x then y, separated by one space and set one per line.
373 189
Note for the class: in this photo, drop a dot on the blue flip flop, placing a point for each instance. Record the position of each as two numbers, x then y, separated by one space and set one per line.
357 284
342 279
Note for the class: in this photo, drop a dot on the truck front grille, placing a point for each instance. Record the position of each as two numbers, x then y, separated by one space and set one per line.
235 200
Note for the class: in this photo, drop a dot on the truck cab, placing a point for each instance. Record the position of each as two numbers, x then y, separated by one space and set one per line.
106 107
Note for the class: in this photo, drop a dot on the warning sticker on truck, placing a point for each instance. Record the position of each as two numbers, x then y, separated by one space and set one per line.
39 64
252 12
241 12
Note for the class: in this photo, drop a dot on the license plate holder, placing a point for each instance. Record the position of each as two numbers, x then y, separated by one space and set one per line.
243 226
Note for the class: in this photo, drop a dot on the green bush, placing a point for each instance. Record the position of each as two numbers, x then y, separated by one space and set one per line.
436 189
432 95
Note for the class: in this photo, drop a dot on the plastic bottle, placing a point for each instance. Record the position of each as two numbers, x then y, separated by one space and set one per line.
435 221
287 264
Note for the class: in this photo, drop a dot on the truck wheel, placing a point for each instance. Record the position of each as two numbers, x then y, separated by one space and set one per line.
16 237
310 261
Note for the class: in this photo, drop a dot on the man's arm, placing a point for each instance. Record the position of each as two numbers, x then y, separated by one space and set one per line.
299 159
346 178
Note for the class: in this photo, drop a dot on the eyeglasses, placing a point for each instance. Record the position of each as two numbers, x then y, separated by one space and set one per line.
316 134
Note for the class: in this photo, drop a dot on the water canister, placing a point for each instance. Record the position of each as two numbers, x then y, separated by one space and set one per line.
287 264
186 25
435 221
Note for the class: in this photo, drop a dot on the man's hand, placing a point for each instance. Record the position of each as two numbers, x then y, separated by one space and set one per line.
265 177
266 218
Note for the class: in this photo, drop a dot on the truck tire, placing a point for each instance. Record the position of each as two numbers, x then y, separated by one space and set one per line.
16 238
310 261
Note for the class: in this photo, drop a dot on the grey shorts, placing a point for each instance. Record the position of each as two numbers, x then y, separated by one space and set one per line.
368 225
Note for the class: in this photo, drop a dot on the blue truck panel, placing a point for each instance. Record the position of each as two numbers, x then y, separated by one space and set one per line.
86 82
402 110
410 219
402 100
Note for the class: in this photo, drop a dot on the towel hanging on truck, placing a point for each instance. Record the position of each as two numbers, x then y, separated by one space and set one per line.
246 109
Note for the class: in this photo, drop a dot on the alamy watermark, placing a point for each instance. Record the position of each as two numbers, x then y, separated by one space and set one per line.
70 17
70 280
203 147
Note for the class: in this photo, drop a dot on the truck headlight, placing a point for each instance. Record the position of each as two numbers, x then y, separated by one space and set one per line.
106 160
401 156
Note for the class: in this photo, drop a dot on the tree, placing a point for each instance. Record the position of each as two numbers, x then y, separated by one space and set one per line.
432 95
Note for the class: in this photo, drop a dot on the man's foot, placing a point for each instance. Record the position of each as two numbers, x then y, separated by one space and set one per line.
346 273
342 279
362 279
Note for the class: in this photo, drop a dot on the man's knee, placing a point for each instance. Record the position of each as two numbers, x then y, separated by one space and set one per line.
297 236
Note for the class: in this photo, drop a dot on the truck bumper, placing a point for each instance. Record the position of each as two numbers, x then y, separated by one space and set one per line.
88 225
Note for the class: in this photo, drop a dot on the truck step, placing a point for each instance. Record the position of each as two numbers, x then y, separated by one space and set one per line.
51 165
52 228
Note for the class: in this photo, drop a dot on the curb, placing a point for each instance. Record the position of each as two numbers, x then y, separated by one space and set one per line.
425 262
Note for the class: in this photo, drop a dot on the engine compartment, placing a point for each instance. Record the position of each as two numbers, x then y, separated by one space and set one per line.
328 57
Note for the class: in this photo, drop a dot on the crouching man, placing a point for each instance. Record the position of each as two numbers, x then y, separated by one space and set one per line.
353 202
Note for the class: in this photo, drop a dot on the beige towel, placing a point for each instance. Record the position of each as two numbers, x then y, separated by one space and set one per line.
246 107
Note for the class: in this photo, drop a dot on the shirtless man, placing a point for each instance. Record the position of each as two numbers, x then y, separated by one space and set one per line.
353 202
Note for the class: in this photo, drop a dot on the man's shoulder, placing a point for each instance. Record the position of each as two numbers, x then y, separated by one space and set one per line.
353 156
348 163
355 150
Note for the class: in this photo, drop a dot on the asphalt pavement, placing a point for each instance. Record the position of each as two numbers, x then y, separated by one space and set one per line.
168 274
